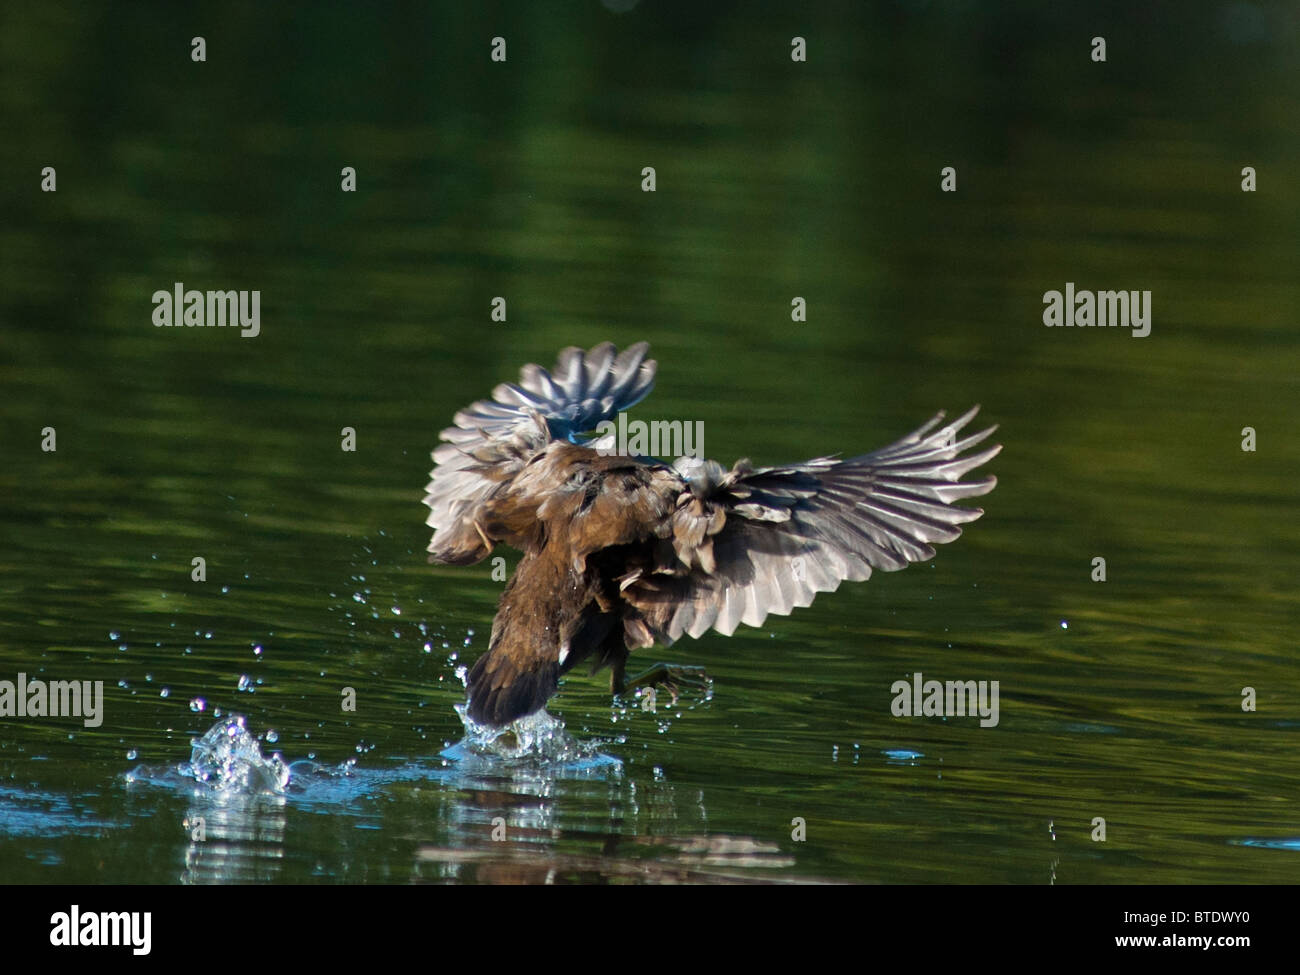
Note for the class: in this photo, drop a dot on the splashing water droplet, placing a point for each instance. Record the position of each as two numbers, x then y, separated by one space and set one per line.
536 739
228 759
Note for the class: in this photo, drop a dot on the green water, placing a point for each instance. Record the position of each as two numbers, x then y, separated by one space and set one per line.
1119 700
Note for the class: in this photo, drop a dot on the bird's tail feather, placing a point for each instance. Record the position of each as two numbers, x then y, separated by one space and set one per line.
502 689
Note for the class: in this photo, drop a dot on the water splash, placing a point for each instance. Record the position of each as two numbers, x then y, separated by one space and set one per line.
229 759
536 739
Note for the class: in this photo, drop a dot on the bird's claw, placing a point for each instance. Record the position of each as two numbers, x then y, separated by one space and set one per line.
673 678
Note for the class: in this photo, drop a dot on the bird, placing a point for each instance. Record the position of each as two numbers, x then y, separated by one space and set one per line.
622 552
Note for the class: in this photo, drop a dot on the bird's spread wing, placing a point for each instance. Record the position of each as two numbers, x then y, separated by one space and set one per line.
753 541
494 439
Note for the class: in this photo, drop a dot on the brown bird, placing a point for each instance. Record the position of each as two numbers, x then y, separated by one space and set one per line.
621 552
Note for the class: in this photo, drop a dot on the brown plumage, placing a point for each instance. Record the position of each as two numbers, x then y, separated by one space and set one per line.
623 552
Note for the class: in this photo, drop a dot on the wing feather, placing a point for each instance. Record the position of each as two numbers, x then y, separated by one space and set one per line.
493 440
790 532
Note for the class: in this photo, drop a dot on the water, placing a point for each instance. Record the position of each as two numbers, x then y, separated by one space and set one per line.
1119 700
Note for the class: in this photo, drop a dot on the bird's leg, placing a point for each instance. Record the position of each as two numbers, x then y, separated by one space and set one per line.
671 678
618 676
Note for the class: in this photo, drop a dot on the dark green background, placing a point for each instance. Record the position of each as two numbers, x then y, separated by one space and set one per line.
775 179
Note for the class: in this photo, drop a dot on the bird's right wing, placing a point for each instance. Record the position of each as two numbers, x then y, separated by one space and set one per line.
753 541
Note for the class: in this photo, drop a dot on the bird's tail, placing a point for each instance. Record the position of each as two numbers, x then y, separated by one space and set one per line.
503 687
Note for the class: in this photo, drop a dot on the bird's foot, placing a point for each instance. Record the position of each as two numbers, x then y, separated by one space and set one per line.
671 679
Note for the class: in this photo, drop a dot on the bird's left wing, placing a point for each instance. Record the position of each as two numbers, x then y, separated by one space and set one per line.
493 440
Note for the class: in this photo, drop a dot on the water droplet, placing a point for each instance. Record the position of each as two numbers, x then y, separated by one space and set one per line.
272 736
198 704
1065 625
397 610
114 635
131 755
244 682
164 692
